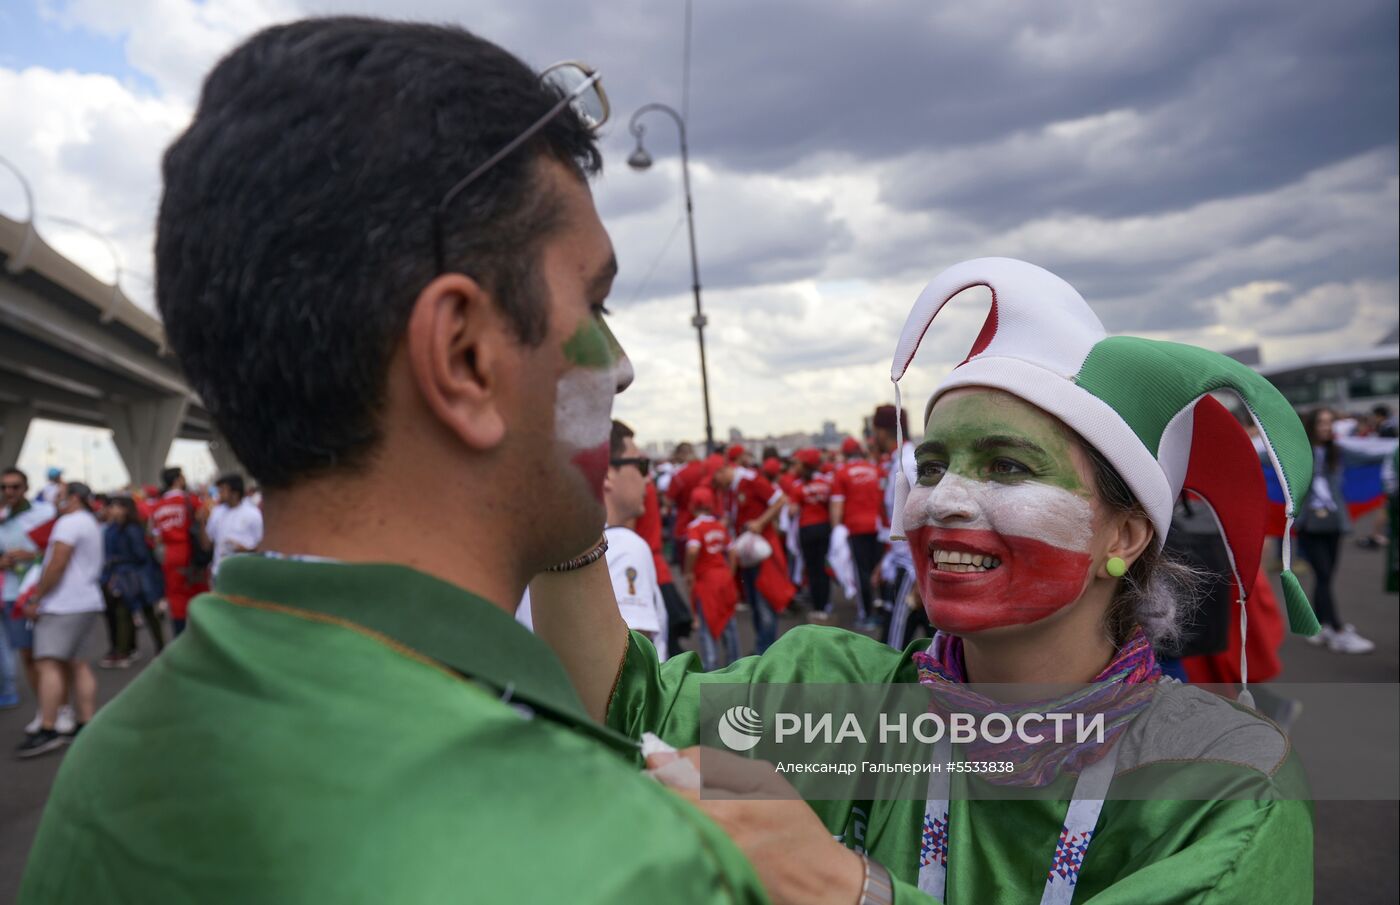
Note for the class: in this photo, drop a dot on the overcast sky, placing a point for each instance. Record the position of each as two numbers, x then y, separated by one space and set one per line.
1223 173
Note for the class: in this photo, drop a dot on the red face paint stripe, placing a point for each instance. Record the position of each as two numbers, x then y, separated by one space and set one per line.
1034 580
594 465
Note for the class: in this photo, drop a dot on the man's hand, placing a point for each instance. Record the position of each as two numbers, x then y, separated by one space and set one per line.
28 603
754 527
792 852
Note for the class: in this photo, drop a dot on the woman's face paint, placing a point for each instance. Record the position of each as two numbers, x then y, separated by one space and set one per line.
1001 522
584 397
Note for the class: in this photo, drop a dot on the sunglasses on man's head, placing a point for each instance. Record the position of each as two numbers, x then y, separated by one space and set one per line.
579 88
641 463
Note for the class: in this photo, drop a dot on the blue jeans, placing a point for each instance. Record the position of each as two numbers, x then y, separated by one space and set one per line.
9 667
709 646
765 621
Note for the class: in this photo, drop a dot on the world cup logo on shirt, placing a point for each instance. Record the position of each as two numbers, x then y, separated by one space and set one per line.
631 581
740 728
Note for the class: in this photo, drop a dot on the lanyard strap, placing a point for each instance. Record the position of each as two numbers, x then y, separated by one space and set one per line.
1075 835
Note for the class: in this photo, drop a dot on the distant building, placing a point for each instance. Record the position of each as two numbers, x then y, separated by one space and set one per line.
1347 381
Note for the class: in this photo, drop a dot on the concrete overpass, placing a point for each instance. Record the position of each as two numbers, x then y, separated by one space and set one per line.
75 349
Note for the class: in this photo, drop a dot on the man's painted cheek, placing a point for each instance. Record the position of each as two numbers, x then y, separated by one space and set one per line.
989 554
583 402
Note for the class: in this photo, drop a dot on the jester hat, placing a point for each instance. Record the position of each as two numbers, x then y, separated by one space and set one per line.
1145 405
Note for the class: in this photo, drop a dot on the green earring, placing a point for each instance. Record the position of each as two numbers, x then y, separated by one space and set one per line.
1115 566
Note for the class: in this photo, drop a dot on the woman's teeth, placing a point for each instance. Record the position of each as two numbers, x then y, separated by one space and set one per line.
953 561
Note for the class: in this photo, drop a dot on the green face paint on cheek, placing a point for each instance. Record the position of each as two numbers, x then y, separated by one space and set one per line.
591 345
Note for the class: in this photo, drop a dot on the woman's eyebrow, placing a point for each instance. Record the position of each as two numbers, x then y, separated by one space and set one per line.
929 448
984 444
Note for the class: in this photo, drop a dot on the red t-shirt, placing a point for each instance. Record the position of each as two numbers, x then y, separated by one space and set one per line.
858 484
791 487
750 496
682 483
649 529
708 535
814 498
170 518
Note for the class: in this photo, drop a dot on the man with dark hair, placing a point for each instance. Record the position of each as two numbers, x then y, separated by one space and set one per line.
630 563
18 551
857 504
64 606
378 258
22 524
173 521
239 527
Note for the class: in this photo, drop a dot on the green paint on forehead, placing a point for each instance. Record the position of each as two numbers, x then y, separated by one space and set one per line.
592 345
958 423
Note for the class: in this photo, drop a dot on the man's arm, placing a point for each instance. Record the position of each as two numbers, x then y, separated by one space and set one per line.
838 512
576 614
692 553
758 524
53 573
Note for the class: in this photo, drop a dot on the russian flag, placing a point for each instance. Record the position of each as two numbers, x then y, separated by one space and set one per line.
1361 488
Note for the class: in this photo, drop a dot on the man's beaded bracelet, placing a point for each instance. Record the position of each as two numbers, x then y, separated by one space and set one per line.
594 554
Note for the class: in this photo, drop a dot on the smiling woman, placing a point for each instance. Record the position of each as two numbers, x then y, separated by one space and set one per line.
1042 498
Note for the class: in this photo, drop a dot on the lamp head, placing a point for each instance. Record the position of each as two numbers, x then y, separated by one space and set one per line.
640 159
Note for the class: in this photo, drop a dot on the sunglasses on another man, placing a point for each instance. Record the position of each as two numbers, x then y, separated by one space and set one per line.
641 463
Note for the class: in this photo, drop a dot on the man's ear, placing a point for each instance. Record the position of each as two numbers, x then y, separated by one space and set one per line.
1134 533
458 350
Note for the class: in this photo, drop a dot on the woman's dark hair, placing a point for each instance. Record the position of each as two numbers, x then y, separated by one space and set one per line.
296 226
1158 591
127 507
1331 454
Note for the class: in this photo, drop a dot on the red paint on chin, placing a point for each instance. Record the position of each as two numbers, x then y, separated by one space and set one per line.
1034 580
594 465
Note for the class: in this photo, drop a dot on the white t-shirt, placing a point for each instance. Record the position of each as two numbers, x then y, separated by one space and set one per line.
78 589
14 535
638 593
236 526
634 581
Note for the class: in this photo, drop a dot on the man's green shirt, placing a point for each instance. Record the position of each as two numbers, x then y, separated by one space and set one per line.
327 732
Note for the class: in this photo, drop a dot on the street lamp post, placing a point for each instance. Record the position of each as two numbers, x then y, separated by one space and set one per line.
641 160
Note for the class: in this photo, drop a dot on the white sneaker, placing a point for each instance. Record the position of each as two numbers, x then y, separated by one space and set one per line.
1347 641
66 721
1323 637
35 724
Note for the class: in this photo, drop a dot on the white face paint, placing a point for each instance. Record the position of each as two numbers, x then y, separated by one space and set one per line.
583 405
1029 509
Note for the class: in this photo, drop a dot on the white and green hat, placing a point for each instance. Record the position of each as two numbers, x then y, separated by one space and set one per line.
1132 399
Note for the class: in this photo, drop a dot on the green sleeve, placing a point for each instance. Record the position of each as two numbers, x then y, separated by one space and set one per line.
1238 851
664 698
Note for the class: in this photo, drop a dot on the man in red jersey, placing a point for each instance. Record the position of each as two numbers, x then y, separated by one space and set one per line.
856 502
172 520
709 570
753 504
812 496
689 474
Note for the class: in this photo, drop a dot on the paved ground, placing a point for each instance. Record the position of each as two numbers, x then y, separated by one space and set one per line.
1356 841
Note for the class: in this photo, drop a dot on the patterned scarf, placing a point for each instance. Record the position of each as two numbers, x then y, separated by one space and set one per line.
1119 692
